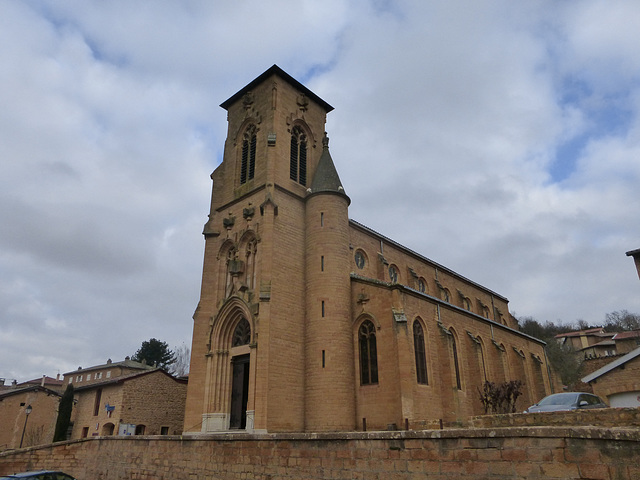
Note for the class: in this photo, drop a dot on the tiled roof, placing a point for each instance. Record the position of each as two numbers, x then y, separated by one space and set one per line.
27 388
610 366
126 363
623 335
47 381
125 378
598 331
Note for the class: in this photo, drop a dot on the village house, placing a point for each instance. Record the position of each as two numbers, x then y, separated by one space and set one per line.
145 402
590 343
618 381
106 371
28 414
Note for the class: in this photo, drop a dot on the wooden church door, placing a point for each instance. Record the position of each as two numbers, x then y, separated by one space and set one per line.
239 392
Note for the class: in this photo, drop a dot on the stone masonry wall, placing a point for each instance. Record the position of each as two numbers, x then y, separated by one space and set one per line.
513 453
602 417
621 379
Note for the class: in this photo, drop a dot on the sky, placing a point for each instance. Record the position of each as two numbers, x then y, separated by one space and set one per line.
498 138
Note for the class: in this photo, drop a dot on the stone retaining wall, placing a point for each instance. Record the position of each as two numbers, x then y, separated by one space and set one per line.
601 417
496 453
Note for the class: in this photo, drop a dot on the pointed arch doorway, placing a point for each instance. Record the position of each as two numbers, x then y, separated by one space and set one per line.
230 388
239 392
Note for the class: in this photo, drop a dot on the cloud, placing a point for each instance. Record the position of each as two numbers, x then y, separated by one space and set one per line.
497 138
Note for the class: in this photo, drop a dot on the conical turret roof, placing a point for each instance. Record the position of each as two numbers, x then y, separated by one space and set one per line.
326 179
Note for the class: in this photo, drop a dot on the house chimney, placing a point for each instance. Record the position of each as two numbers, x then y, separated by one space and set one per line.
14 383
1 382
109 361
58 376
43 380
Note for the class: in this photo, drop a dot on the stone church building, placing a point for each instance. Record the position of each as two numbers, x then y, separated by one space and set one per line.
310 321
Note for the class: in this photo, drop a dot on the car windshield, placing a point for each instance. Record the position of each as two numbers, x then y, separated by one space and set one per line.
559 399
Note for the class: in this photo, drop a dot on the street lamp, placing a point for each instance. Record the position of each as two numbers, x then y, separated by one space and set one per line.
27 411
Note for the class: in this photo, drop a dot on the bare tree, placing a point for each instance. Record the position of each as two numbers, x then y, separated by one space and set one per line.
180 367
621 321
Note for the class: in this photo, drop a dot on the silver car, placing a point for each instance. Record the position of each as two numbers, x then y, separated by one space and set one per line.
564 402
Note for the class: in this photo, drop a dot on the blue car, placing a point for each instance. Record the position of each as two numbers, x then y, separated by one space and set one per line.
40 475
565 402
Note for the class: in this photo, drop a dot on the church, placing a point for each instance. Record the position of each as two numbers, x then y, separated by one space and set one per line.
309 321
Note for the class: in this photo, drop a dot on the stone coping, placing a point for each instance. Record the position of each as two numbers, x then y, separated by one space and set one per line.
622 434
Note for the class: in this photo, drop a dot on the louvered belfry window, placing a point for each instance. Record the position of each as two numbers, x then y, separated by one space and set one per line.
298 160
248 162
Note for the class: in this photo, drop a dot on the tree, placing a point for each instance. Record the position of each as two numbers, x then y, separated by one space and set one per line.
565 361
531 326
562 357
181 366
621 321
64 415
155 352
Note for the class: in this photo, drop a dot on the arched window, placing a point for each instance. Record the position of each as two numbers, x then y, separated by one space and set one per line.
445 295
466 303
248 162
421 357
368 353
298 165
456 363
242 334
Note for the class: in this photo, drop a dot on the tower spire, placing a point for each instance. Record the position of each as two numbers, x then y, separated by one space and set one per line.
326 179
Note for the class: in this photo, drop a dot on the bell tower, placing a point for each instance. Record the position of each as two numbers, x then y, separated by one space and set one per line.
248 363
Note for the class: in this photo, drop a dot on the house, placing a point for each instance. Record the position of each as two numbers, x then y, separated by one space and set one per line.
106 371
28 414
626 341
143 402
590 343
619 381
52 383
311 321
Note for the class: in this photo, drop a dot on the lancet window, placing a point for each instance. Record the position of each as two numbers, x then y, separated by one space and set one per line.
368 353
419 349
456 363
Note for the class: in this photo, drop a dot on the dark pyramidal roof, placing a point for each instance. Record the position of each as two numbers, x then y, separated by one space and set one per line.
276 70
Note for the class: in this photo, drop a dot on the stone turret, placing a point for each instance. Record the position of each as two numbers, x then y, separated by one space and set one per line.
329 389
